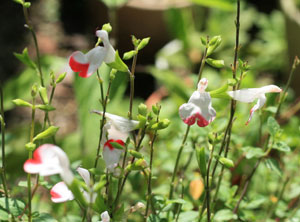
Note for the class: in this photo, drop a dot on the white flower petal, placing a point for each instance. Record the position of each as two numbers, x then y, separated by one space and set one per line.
61 193
85 174
120 123
260 103
105 217
110 52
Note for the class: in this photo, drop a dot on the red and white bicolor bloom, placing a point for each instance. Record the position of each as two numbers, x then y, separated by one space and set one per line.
199 107
112 155
87 64
249 95
48 160
105 217
60 193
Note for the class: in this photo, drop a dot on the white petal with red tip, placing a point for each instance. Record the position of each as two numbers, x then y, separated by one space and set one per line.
48 160
87 64
60 193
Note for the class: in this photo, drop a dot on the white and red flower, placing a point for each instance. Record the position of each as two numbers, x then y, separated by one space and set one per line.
111 155
87 64
60 193
199 107
48 160
249 95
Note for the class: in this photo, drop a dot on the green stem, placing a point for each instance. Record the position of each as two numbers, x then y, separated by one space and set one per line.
131 75
177 162
29 26
30 157
102 121
295 64
3 171
149 196
203 62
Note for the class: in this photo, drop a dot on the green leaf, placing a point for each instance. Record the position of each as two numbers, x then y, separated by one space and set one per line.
273 126
253 152
14 206
143 43
273 165
200 154
119 215
226 162
24 58
215 63
118 64
224 215
75 188
99 206
44 217
45 107
43 94
281 146
51 131
20 102
23 183
179 201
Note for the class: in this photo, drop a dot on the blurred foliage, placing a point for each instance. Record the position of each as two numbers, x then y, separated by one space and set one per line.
262 43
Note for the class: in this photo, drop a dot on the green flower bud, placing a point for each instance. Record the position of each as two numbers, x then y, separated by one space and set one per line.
143 43
30 146
215 63
136 154
45 107
27 4
142 109
112 74
135 41
34 90
51 131
61 77
107 27
129 55
226 162
155 109
213 44
20 102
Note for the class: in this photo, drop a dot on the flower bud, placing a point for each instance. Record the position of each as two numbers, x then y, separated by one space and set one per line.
107 27
143 43
136 154
30 146
142 109
61 77
34 90
20 102
215 63
129 55
226 162
51 131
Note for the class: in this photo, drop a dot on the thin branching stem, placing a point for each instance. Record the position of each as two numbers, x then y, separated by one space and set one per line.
102 122
30 27
149 196
3 170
